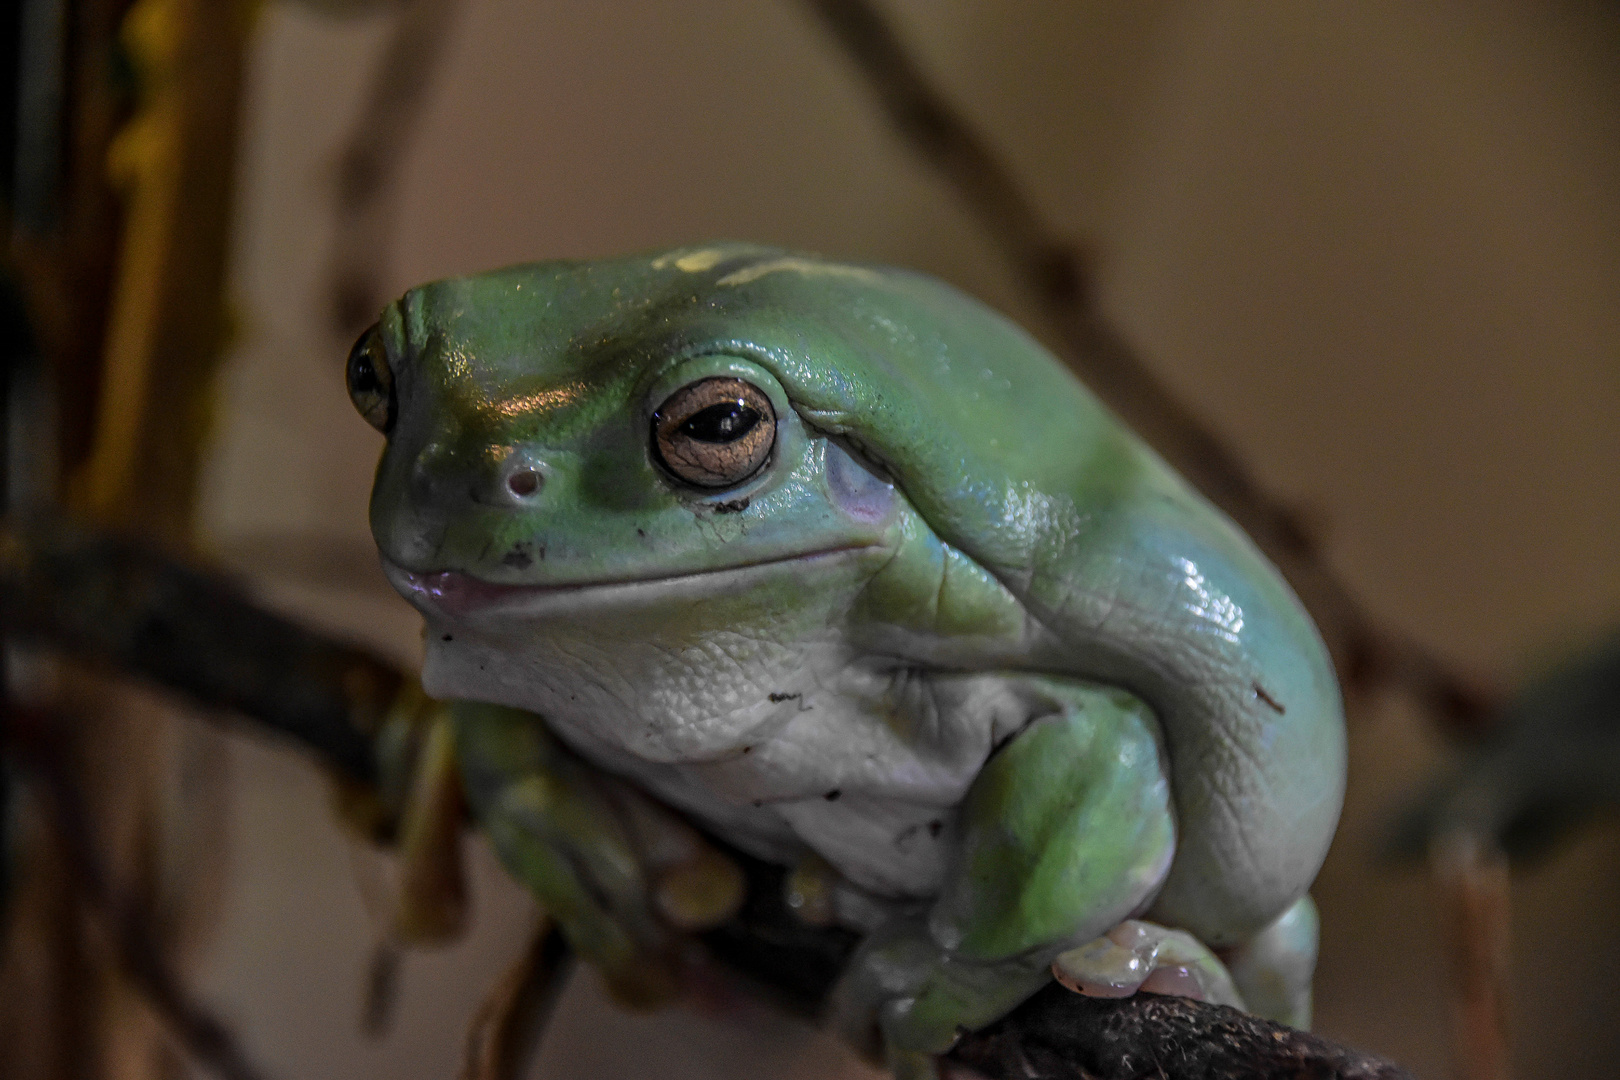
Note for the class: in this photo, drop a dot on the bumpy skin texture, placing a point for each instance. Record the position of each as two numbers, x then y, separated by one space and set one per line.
962 636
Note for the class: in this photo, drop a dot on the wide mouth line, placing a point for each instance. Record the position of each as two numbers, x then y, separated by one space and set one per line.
460 590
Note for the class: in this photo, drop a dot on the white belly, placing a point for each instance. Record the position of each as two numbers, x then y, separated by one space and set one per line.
776 749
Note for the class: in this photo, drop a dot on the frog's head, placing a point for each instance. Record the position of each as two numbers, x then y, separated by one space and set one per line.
564 425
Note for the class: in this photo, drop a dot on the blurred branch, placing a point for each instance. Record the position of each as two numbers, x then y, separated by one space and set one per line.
111 599
175 163
41 65
120 248
135 947
147 615
66 220
1052 269
370 160
393 102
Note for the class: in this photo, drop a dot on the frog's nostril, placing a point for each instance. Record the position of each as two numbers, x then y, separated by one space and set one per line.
524 482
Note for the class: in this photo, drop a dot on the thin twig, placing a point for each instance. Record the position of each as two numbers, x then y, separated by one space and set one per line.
381 999
507 1027
1368 655
199 1033
1470 877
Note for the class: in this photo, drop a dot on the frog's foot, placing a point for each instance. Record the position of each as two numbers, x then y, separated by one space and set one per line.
624 878
1138 955
694 886
903 1000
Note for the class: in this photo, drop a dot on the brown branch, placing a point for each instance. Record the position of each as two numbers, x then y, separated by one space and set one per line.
393 102
1050 267
1059 1035
1055 1035
147 611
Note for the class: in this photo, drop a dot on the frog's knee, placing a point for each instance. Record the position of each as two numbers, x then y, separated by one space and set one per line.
1273 969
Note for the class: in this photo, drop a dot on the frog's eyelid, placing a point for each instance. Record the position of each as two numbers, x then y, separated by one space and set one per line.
689 366
826 425
858 450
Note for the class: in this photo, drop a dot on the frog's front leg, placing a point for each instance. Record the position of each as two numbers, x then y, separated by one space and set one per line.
1066 831
621 875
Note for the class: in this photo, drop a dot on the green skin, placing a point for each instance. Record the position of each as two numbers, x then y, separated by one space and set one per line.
1126 712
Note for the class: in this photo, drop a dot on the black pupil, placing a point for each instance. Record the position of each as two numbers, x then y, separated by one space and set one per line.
362 375
724 422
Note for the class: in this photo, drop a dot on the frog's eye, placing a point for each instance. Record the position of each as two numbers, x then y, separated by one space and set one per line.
371 381
715 432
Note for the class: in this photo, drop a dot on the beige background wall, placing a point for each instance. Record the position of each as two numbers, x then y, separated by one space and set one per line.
1376 243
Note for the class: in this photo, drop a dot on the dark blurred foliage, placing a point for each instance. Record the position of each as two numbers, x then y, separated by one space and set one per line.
1550 765
16 349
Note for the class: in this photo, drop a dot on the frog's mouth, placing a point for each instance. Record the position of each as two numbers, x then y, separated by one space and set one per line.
455 593
459 595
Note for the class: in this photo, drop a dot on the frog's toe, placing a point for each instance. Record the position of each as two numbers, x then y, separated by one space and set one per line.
913 1065
701 892
879 987
1137 955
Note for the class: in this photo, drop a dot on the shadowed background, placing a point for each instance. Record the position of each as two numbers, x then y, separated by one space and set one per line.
1376 245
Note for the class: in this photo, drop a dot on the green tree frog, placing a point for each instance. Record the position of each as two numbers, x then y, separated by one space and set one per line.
844 567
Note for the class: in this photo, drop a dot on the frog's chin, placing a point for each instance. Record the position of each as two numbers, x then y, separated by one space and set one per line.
453 595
